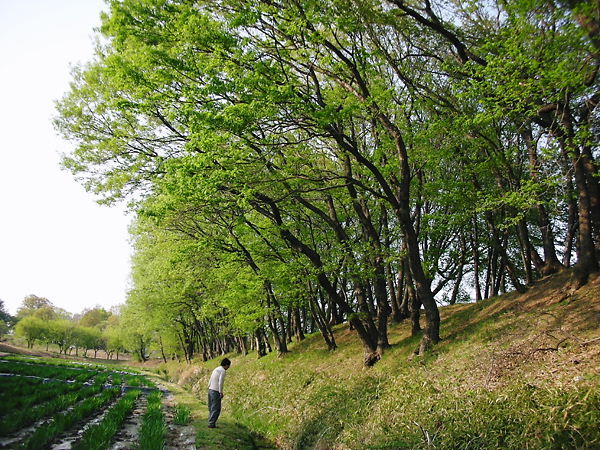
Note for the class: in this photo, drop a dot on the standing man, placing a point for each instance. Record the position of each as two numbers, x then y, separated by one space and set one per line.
215 392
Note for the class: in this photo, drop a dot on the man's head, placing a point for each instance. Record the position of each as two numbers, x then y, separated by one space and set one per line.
226 363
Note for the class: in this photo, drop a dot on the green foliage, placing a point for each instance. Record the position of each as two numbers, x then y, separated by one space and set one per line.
95 317
31 328
309 157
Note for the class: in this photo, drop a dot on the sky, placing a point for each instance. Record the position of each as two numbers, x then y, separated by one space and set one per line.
55 240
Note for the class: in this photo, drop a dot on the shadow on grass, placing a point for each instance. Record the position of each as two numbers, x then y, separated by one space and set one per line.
339 405
229 435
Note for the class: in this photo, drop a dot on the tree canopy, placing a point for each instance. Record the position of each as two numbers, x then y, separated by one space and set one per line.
297 165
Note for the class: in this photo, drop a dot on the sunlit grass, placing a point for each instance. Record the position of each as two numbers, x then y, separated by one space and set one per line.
486 385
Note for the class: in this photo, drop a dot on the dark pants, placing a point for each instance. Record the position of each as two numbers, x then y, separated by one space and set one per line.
214 407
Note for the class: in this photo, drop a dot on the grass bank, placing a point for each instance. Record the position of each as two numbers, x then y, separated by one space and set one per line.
517 371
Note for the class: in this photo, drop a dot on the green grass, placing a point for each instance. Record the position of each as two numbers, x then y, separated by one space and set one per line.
24 400
15 391
45 434
32 368
182 415
230 435
60 362
490 383
26 416
100 435
153 430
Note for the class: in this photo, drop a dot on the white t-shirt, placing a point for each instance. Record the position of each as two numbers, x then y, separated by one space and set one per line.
216 379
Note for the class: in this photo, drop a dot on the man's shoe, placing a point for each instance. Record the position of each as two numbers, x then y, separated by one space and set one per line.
212 426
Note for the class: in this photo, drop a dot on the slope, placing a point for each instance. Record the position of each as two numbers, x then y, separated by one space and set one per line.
516 371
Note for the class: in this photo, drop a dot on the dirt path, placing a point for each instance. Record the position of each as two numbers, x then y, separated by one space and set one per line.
229 435
179 437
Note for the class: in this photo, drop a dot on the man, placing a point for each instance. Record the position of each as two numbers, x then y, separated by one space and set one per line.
215 392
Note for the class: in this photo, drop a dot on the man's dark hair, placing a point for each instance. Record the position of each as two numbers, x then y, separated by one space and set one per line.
225 362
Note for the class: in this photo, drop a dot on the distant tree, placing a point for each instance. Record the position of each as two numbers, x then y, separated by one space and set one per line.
61 313
45 313
88 338
113 337
95 317
31 328
136 333
6 320
62 333
31 304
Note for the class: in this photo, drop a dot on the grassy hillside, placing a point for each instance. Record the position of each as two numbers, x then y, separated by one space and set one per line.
517 371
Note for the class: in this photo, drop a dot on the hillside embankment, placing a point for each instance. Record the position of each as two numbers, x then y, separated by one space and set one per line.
517 371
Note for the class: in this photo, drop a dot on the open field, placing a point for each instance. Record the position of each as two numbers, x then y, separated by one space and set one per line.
56 404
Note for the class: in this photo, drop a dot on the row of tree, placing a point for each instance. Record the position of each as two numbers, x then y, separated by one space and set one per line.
38 321
300 164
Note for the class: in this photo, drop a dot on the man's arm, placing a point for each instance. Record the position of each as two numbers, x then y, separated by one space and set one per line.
221 382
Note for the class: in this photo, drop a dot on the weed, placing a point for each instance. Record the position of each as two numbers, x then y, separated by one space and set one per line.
181 415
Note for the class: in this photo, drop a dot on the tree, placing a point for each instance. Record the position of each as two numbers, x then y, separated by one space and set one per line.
384 153
113 336
7 321
33 303
94 317
32 329
63 333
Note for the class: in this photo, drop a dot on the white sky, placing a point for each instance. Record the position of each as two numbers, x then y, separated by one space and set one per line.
55 241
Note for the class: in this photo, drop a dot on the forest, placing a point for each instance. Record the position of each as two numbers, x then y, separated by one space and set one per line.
293 166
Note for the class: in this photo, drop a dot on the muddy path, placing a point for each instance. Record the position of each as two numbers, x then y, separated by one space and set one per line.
229 435
179 437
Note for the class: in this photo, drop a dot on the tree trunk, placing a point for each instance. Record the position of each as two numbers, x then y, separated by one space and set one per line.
261 348
415 311
551 263
297 324
320 320
162 349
